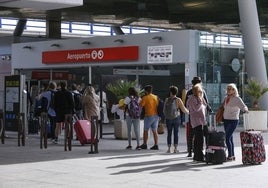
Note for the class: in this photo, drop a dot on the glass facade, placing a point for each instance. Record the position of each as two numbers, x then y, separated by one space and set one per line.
216 66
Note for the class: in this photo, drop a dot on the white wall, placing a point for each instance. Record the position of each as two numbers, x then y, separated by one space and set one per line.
184 48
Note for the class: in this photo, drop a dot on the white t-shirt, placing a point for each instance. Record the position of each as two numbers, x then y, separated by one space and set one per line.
116 109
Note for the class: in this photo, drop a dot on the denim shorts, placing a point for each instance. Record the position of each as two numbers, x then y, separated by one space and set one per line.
151 122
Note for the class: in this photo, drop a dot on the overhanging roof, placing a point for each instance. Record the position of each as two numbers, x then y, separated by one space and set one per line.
219 16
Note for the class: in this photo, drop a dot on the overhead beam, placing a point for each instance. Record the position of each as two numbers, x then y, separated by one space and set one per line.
19 27
118 30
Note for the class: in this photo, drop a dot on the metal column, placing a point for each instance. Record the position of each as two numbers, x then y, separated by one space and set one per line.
254 56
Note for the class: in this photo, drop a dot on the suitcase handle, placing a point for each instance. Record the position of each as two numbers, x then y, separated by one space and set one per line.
212 121
246 122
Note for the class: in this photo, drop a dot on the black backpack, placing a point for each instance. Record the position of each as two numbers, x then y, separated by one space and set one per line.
44 104
77 101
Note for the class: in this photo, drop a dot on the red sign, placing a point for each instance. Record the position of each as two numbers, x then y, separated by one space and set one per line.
127 53
45 75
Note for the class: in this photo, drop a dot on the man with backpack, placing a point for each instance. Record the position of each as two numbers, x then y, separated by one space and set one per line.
172 107
78 107
64 105
133 112
47 104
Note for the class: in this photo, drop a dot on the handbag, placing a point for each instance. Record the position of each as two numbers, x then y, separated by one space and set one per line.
219 114
160 128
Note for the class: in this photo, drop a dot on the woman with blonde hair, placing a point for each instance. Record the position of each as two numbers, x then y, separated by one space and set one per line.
197 108
91 103
232 105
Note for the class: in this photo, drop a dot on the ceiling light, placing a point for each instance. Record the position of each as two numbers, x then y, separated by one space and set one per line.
86 42
195 4
55 45
157 38
119 40
27 47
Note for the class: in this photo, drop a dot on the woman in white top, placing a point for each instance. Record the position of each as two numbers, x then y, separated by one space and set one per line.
232 106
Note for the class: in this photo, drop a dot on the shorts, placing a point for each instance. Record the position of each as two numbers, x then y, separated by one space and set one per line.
151 122
60 118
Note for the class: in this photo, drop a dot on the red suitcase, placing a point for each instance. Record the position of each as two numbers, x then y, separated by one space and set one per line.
253 149
83 131
86 130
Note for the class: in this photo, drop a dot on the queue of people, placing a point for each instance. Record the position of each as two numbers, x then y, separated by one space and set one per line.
196 104
135 107
62 100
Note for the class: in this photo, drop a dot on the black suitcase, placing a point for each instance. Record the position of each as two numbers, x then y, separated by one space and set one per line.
33 125
215 143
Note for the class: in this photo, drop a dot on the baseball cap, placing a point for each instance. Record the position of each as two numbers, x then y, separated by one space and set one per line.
121 102
196 80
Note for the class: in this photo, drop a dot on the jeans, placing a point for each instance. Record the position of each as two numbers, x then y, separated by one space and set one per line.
136 125
229 127
52 120
173 125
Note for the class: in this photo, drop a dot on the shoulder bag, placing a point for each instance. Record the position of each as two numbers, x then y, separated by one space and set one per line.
219 114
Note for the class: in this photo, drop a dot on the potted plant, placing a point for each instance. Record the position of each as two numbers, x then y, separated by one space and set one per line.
120 89
257 118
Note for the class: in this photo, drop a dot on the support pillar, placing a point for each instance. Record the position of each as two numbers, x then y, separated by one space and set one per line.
53 29
254 56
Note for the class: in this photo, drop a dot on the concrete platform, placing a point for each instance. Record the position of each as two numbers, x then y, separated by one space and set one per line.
114 166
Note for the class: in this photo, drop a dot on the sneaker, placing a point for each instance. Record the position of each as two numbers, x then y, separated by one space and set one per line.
138 148
230 159
168 150
143 146
55 141
129 147
189 155
155 147
176 150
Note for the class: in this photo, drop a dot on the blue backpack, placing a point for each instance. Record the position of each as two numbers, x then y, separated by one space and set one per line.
134 108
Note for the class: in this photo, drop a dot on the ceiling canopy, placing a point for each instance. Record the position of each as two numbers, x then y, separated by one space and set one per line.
219 16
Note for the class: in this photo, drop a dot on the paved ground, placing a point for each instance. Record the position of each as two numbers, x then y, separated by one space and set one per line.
113 166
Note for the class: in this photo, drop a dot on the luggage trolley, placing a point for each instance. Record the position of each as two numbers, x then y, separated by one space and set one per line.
43 130
68 132
21 129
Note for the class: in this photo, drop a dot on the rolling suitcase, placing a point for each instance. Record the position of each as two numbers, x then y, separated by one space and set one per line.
83 131
253 149
215 143
87 133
